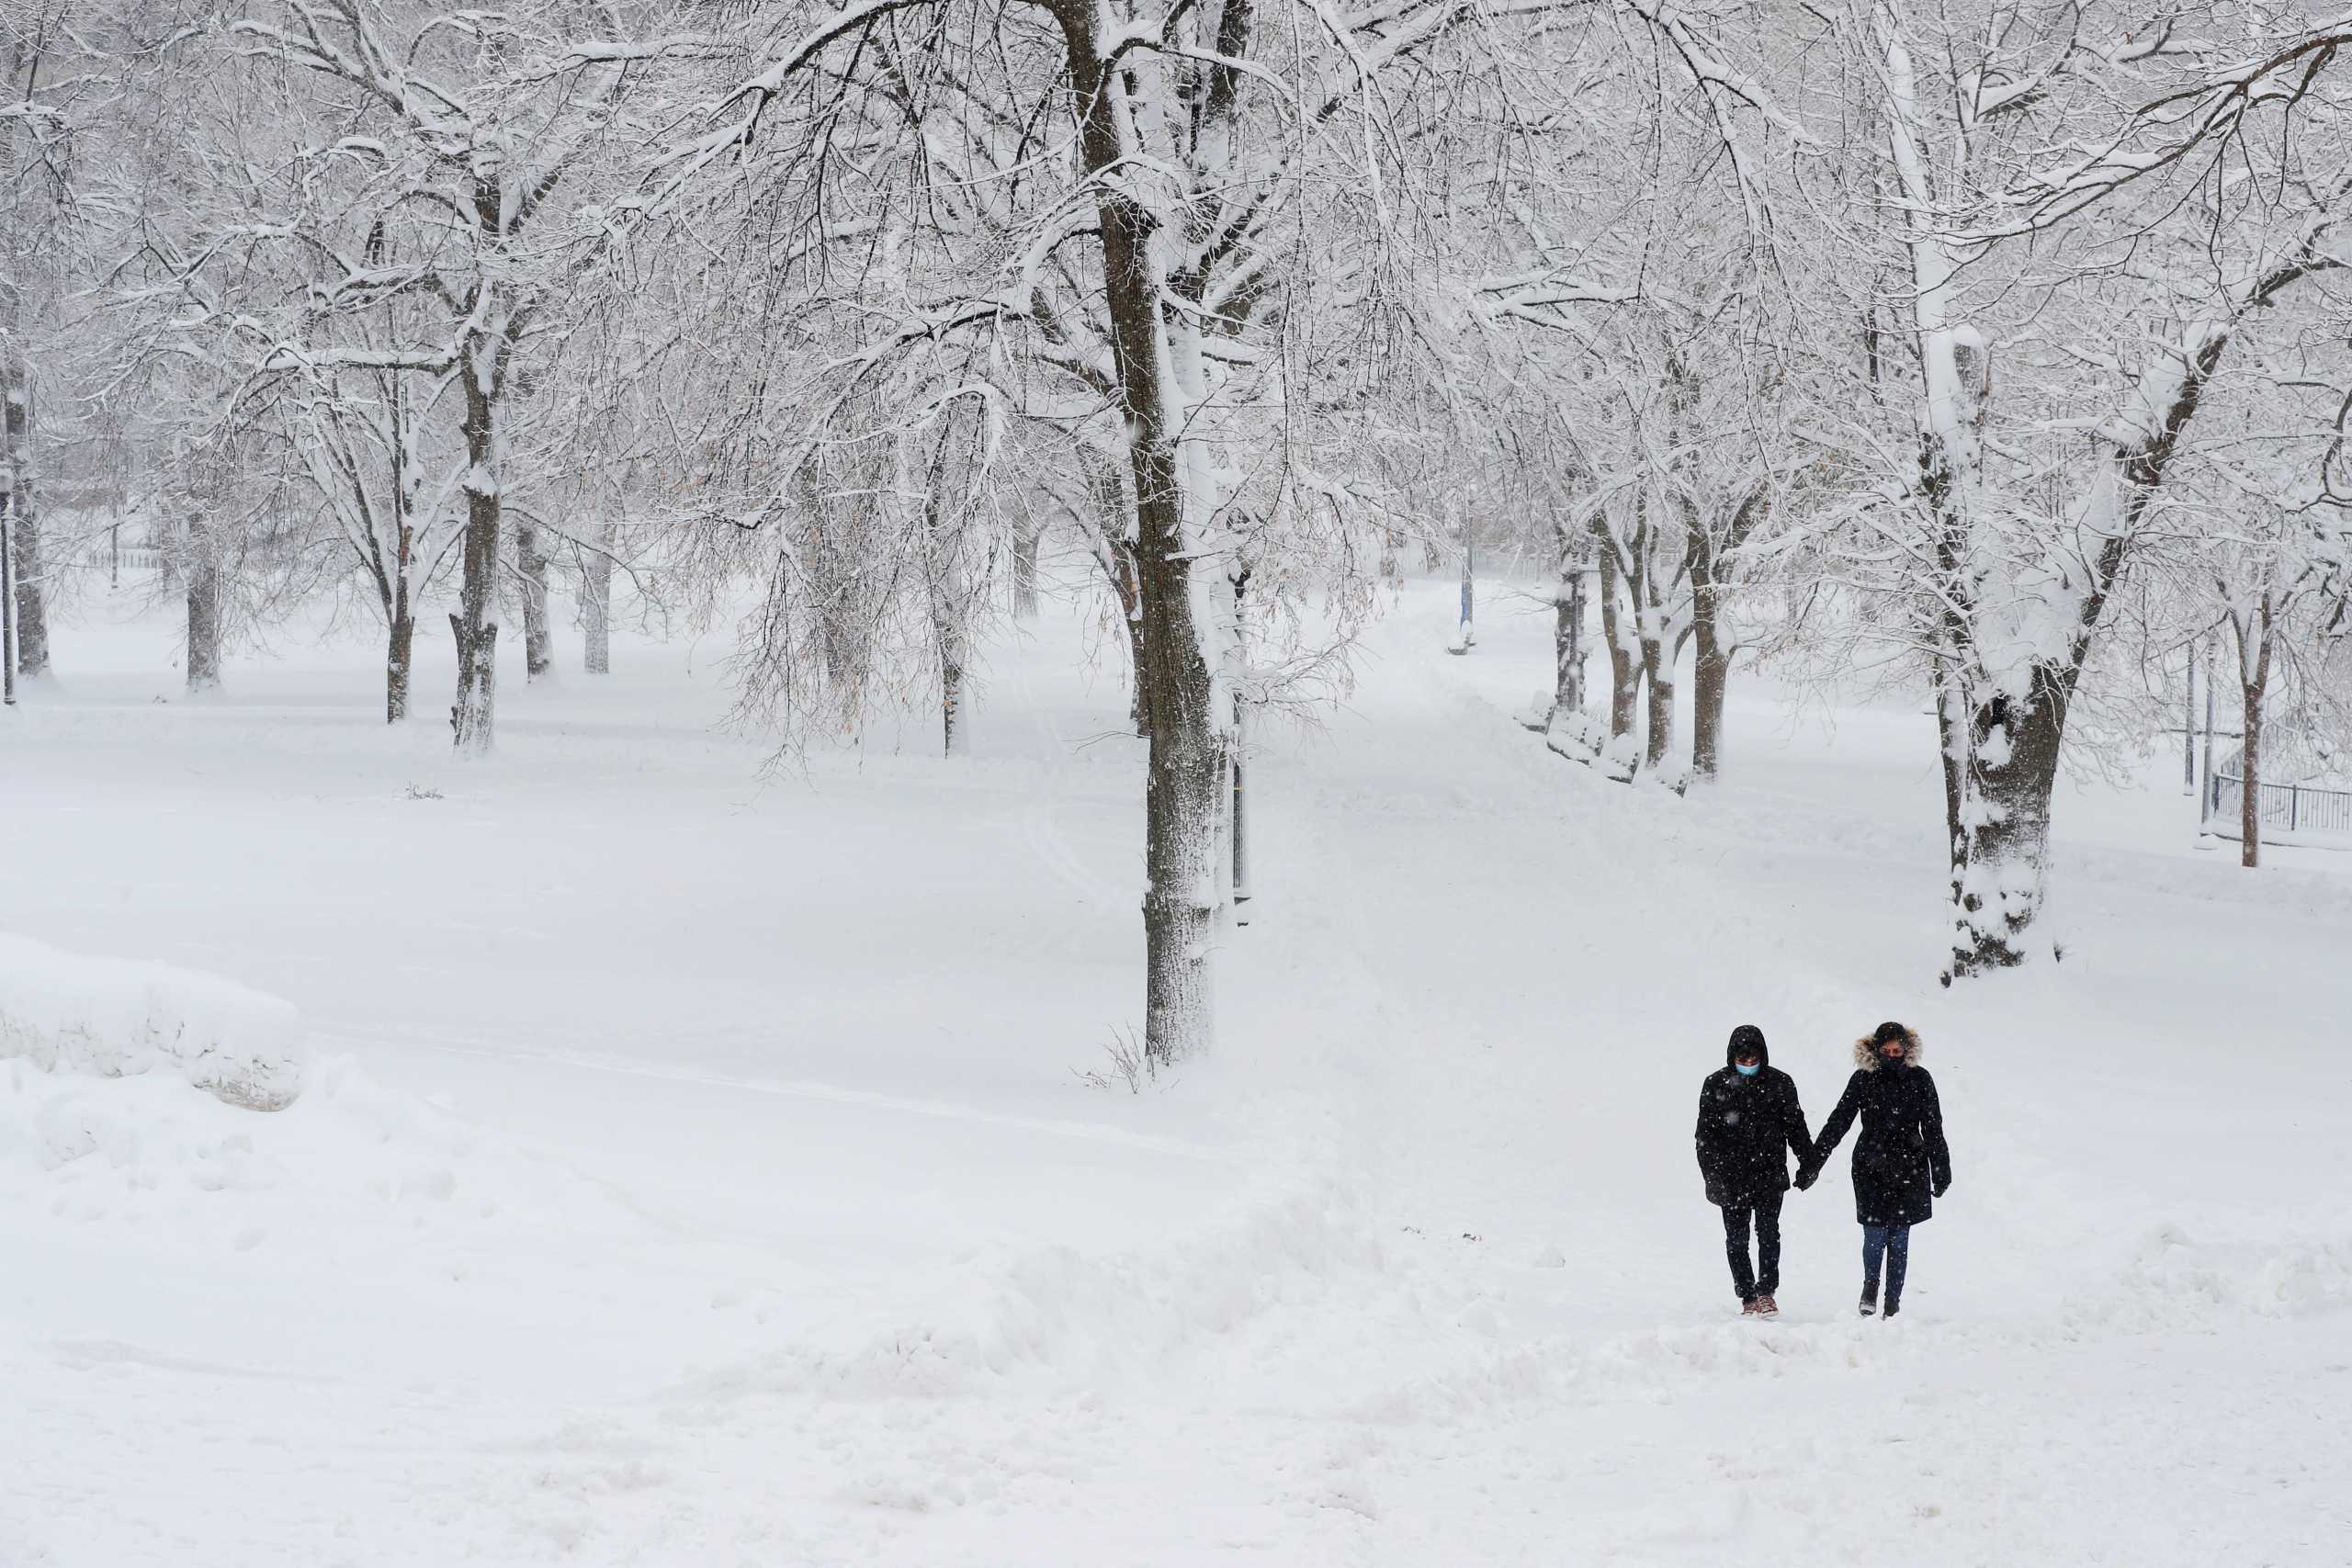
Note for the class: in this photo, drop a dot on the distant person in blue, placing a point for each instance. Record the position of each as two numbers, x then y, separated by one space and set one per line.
1901 1163
1749 1123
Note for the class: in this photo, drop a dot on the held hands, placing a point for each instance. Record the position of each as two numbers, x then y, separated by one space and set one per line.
1807 1175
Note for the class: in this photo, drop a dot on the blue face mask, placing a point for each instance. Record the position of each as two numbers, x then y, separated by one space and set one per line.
1747 1069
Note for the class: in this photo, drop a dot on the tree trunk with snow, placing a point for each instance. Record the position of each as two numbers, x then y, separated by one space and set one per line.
1131 618
596 603
399 661
2012 769
949 588
954 742
1624 659
1568 624
1657 669
16 473
1710 681
1709 560
472 718
950 640
2255 634
203 598
531 575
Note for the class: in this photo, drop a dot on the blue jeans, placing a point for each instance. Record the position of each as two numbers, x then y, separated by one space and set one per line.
1894 1244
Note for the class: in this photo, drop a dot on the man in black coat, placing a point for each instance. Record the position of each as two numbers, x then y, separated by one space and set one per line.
1750 1122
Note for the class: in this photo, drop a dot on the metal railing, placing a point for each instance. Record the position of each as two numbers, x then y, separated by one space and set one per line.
2282 808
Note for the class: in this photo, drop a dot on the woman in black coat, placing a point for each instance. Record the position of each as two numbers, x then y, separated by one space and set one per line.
1901 1163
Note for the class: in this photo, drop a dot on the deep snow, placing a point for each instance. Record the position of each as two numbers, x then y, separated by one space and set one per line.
693 1168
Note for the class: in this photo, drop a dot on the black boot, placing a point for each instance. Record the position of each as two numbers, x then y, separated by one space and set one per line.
1894 1305
1870 1298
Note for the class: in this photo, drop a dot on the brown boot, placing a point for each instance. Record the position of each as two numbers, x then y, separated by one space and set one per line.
1765 1306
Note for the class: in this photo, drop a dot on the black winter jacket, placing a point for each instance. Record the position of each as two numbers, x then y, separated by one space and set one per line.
1748 1128
1901 1163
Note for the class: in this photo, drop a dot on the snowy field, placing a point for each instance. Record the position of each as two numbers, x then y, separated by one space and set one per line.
693 1169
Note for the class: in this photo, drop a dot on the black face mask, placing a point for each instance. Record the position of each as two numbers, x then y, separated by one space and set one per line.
1895 1061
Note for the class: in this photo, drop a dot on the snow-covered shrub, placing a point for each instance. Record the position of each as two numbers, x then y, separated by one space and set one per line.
116 1018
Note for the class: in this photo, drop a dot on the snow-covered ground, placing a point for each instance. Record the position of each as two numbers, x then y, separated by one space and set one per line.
692 1166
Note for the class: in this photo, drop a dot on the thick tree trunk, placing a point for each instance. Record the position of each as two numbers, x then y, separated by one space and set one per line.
1624 663
596 603
473 717
1710 667
1567 633
1183 807
399 659
33 598
1657 669
1710 681
2004 828
531 570
203 609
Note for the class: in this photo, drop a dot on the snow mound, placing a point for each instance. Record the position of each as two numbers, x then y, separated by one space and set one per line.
120 1018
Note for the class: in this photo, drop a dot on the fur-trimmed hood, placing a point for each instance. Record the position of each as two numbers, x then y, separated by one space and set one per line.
1866 1055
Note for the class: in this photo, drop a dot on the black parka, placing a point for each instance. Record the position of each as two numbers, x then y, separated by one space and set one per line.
1901 1163
1748 1128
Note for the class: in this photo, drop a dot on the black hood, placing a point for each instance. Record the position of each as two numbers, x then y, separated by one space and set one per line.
1746 1037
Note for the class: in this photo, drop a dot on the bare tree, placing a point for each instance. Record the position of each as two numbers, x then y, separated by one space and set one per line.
477 121
2009 535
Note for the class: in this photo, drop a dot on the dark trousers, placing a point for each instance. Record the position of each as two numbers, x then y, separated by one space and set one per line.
1764 1279
1894 1244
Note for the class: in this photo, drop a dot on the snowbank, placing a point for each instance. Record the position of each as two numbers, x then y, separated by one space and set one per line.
117 1017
